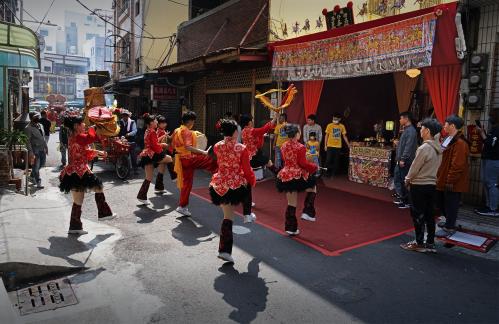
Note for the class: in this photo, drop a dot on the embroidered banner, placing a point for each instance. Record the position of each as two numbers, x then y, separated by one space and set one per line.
370 165
394 47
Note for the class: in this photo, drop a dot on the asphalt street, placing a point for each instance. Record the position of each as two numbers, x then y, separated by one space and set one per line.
167 264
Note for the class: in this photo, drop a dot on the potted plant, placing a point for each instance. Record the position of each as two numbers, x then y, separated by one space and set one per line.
15 142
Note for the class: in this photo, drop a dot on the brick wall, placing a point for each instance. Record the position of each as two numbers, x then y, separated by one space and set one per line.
196 35
199 103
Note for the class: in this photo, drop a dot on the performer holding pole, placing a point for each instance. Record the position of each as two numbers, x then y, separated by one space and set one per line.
151 157
188 158
232 183
76 177
253 139
297 175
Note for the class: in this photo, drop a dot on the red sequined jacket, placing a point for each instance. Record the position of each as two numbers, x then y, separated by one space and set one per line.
234 168
253 137
296 165
80 153
151 144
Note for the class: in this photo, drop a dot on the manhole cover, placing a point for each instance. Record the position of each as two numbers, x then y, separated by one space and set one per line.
45 296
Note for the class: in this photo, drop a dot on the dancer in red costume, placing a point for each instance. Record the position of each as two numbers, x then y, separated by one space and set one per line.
231 184
253 139
151 157
188 158
296 176
76 177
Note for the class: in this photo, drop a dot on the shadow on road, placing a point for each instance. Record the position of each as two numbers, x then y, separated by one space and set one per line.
246 292
190 233
64 247
87 275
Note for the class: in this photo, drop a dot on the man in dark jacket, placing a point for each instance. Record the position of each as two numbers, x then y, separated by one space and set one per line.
63 144
47 124
406 151
128 129
37 147
453 174
490 166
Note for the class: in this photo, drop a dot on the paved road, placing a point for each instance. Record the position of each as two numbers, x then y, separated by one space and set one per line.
168 265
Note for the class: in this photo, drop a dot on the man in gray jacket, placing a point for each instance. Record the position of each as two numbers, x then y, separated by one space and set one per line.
37 147
312 127
422 179
406 151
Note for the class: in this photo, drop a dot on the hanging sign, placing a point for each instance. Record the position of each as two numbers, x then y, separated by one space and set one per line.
389 48
339 17
161 92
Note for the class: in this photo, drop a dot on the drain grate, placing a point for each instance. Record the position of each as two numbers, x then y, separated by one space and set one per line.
46 296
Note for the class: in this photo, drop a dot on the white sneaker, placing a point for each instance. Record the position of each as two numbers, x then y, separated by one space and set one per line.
144 202
293 233
78 232
307 218
113 216
253 204
226 257
250 218
183 210
159 191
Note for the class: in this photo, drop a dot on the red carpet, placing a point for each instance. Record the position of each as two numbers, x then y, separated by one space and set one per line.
344 220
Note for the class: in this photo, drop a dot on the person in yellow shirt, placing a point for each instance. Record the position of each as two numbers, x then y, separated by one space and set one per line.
280 138
335 131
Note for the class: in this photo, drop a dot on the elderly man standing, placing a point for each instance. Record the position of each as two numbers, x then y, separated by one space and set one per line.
37 147
128 129
453 174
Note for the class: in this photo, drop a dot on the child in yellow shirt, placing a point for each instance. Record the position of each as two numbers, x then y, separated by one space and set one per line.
313 147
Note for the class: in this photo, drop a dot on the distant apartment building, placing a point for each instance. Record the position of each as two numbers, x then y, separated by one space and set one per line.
80 28
59 74
98 54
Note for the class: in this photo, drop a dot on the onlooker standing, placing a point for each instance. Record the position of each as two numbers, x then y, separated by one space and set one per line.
312 127
63 144
406 151
280 138
47 124
453 174
422 179
490 166
37 147
128 129
333 144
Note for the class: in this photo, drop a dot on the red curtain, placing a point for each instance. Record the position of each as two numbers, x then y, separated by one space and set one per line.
443 85
311 95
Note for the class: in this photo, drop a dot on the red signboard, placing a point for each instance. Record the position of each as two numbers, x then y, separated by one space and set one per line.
475 140
160 92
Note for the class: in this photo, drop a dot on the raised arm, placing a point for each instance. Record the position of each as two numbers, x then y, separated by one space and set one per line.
247 169
303 163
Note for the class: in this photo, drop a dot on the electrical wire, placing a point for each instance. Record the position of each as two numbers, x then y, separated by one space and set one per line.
46 13
115 26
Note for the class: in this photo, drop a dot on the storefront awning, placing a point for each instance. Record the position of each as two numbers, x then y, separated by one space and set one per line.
18 47
416 39
226 55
